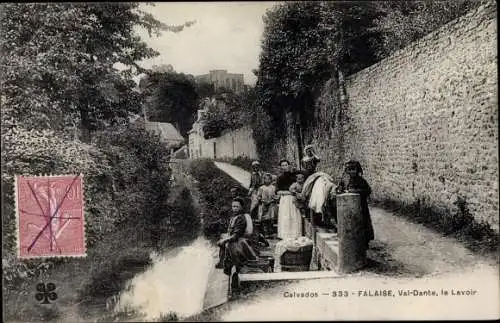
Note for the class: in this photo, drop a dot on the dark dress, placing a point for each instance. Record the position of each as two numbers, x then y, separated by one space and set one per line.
285 180
359 185
255 180
237 251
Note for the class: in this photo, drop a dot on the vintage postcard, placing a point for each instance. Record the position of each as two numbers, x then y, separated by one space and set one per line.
250 161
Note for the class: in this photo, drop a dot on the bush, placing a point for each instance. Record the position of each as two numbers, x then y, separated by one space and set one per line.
44 152
140 174
214 186
126 185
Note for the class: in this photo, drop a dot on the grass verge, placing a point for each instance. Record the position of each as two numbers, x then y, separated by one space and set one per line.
214 187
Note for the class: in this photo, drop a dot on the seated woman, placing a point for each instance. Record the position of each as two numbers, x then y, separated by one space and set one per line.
235 249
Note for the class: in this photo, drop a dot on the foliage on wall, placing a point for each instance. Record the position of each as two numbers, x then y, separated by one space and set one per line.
306 43
226 110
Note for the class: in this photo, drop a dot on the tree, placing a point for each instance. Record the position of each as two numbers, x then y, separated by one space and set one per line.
173 98
204 89
59 62
306 43
227 110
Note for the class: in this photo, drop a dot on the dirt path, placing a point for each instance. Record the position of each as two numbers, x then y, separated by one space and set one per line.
404 256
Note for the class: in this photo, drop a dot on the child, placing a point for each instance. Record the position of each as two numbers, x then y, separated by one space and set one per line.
357 184
274 179
296 190
267 205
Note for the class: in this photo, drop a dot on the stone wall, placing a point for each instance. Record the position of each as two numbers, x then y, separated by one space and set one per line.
424 122
232 144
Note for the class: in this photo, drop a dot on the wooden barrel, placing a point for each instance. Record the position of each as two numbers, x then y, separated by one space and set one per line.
351 230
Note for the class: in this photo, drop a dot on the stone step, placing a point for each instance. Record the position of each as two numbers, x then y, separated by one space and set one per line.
298 275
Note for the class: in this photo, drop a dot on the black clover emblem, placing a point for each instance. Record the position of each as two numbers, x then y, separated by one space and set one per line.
46 293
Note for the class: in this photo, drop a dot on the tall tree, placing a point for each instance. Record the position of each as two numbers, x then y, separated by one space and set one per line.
173 98
59 62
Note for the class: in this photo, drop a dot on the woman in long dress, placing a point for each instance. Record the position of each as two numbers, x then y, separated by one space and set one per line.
357 184
289 217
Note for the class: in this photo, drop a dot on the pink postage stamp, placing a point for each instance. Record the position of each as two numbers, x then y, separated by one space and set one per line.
50 216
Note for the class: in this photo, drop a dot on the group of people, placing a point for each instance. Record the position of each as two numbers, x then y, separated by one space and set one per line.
280 200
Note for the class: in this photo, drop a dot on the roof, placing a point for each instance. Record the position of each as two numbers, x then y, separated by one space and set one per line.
166 130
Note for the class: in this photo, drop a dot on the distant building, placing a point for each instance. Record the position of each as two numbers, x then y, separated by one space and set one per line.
223 79
196 140
230 144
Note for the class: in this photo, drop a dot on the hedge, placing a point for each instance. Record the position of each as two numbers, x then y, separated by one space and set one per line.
215 189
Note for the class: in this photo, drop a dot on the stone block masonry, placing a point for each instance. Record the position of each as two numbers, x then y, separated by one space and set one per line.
424 122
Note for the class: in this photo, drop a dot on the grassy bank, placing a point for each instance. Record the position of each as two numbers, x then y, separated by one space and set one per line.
214 187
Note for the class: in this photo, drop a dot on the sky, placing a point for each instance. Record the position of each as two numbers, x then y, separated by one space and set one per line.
226 35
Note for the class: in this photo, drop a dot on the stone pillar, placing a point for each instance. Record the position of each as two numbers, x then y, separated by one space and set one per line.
351 229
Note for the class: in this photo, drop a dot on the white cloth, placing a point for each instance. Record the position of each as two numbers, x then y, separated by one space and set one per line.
319 194
254 200
249 228
309 183
289 219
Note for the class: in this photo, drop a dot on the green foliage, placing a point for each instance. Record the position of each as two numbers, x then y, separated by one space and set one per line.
60 77
404 22
225 110
305 43
204 89
59 62
139 170
215 188
42 152
173 97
